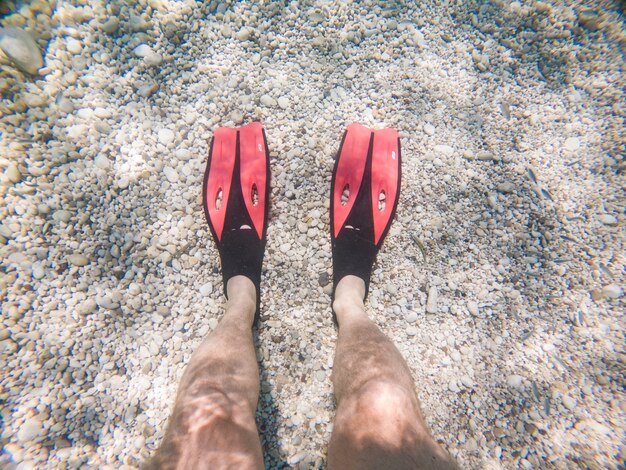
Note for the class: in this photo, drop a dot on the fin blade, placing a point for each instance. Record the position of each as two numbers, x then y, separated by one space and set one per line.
219 175
349 170
385 178
254 171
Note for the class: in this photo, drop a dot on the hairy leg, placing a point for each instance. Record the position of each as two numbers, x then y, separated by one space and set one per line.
213 423
379 423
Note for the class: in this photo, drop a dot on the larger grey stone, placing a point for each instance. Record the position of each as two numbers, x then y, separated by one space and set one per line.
21 48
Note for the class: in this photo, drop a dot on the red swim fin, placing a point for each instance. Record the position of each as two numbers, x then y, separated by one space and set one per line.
236 198
364 197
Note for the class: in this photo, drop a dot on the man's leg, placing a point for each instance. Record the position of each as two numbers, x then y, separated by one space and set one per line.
379 423
213 423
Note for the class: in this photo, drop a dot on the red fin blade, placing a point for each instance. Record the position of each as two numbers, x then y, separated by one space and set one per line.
219 175
349 171
253 164
385 178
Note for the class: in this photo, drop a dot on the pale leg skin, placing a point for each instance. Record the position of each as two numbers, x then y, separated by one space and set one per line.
378 423
213 423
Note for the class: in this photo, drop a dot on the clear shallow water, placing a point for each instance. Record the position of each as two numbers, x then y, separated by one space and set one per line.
111 280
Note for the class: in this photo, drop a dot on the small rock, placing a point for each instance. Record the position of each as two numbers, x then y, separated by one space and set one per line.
569 402
411 330
76 259
101 161
153 60
472 307
351 72
13 173
171 174
267 100
29 430
485 155
444 150
183 154
65 105
283 102
244 34
429 129
612 291
62 216
38 271
145 90
33 100
206 289
166 136
21 48
608 219
138 24
589 19
515 381
411 317
111 25
143 50
73 46
285 247
506 187
431 303
571 144
76 131
323 279
107 302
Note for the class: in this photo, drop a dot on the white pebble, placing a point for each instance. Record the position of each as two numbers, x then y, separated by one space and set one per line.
571 144
182 154
76 131
283 102
101 161
153 59
444 150
569 402
77 259
612 291
13 173
34 100
351 72
30 430
166 136
143 50
472 307
515 381
608 219
429 129
206 289
267 100
431 303
171 174
73 46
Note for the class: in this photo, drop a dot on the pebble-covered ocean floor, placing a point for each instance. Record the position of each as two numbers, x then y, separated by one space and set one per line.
501 281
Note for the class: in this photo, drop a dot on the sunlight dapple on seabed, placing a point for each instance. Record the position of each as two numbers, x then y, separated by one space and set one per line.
501 281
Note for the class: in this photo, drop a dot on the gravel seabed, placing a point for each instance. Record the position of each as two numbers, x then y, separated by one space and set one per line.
501 281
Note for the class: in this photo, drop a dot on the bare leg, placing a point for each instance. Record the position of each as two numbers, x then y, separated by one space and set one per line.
213 423
379 423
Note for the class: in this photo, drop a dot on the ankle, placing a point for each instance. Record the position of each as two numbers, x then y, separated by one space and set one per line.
348 302
241 296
